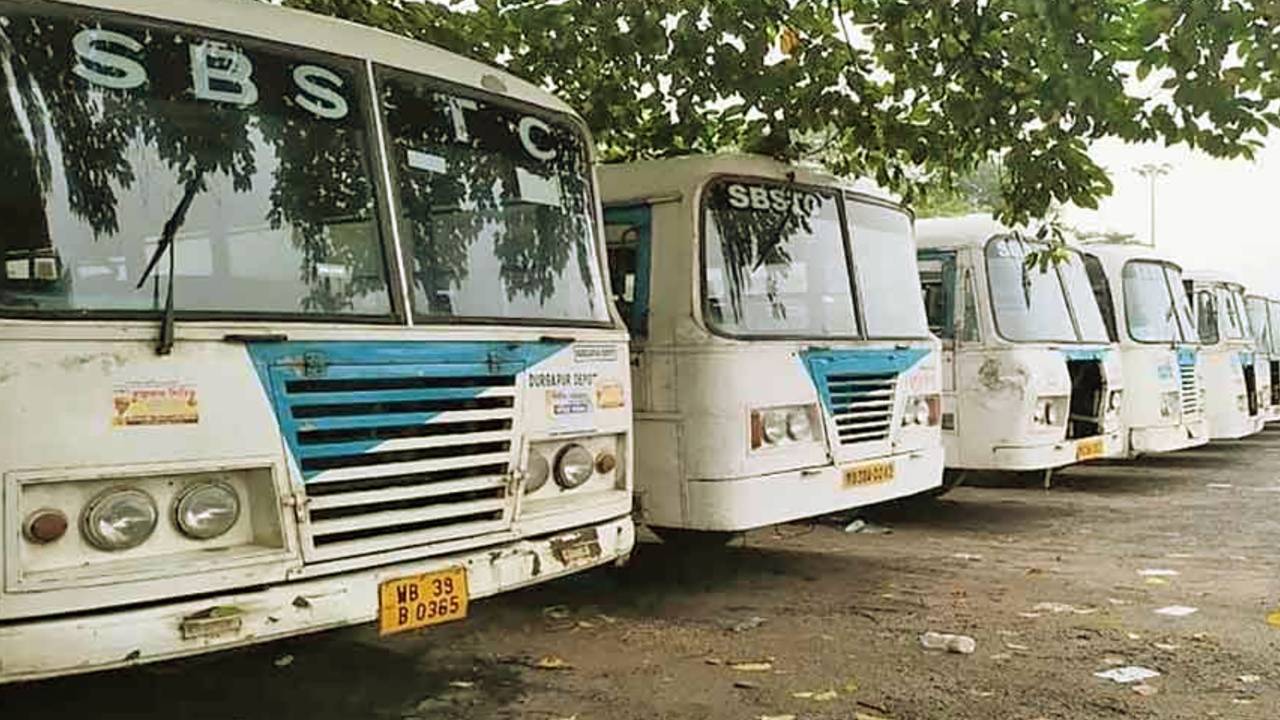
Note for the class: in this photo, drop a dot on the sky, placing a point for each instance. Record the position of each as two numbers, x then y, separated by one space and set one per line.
1210 214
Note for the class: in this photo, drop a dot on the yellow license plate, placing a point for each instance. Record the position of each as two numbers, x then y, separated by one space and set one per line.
1090 449
423 600
872 474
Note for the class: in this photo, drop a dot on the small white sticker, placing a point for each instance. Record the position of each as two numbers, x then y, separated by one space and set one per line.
17 269
426 161
537 189
333 270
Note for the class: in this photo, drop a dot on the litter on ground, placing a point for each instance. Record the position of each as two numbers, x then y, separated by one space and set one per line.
1127 674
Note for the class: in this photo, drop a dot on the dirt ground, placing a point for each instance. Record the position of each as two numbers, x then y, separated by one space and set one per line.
821 623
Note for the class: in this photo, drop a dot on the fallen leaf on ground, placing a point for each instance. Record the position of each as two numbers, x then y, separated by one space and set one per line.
802 695
1001 656
745 685
749 624
713 661
1017 647
1167 647
1145 690
777 717
1158 572
1156 581
1273 619
826 696
1249 679
755 666
552 662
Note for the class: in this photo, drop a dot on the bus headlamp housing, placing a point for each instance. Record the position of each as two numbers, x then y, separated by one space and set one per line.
771 427
1049 411
922 410
206 510
1169 403
119 519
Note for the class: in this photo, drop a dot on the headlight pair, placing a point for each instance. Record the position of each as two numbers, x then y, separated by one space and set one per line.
573 467
775 426
124 518
1049 411
922 410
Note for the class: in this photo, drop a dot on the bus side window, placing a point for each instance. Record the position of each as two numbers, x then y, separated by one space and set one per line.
1102 291
628 234
969 317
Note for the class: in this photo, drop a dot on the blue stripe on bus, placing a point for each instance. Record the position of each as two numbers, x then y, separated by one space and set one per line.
1079 354
279 363
858 362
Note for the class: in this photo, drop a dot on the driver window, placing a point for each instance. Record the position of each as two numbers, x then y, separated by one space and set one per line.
627 240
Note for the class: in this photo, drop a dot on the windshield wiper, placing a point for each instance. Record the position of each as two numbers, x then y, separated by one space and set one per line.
164 343
787 215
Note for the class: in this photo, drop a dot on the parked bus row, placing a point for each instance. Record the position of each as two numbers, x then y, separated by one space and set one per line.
305 325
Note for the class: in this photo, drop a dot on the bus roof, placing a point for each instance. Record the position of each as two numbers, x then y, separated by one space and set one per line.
1115 255
1212 277
679 176
956 232
272 23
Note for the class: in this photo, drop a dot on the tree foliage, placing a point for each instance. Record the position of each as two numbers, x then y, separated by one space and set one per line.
912 93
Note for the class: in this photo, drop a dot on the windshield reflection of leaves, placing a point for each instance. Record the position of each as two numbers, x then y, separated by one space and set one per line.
754 239
319 178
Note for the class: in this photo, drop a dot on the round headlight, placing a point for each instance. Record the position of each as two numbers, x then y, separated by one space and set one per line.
798 425
119 519
774 426
537 473
206 510
574 466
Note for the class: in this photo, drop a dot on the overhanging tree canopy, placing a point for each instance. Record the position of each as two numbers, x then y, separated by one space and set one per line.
911 93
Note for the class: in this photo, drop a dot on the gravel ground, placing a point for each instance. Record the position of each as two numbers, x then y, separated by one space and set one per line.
810 622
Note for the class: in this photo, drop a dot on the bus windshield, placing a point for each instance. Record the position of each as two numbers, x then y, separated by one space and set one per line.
137 155
1234 318
1258 325
884 257
496 207
121 142
1057 305
775 261
1156 308
1273 315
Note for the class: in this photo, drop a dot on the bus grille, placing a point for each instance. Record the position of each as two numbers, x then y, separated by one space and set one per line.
862 406
394 462
1190 390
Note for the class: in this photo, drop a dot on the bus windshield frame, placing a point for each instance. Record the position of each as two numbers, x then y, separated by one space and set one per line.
288 85
1067 292
845 287
1184 315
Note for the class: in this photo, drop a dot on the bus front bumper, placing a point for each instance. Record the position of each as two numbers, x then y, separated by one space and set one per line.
1236 428
1147 440
1056 454
114 638
746 503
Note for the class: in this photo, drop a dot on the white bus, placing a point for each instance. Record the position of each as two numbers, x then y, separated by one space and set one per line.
781 370
301 325
1233 402
1264 321
1031 381
1146 310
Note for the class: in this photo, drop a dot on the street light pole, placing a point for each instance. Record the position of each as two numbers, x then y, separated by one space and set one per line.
1151 171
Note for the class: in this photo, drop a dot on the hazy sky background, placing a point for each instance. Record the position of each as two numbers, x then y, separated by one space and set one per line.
1210 214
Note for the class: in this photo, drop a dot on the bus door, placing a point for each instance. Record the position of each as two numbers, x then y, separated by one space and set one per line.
628 238
938 283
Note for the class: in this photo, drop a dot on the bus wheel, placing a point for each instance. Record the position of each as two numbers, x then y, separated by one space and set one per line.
685 539
951 479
